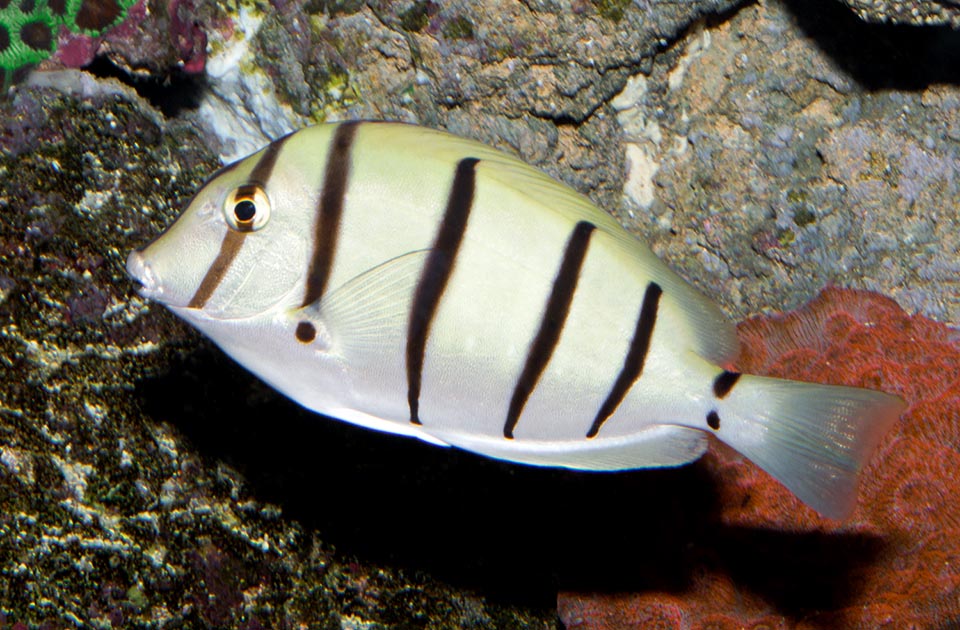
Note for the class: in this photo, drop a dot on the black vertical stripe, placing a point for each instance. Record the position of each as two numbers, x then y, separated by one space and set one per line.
262 170
636 357
724 383
436 273
233 240
551 325
326 228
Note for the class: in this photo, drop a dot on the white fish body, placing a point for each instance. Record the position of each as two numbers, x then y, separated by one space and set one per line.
413 282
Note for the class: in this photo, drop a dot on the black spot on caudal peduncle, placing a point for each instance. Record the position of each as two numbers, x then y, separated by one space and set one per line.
636 357
713 420
306 332
551 324
436 272
724 383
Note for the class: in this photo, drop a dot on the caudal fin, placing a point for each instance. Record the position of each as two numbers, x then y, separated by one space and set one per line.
814 439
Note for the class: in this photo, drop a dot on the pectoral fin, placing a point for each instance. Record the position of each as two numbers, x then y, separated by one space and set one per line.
368 313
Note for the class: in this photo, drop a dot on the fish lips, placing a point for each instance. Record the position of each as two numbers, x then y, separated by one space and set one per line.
148 284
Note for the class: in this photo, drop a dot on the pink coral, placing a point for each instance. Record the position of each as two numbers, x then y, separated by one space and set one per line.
900 552
75 50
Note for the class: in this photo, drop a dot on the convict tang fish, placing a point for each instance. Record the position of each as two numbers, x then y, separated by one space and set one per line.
410 281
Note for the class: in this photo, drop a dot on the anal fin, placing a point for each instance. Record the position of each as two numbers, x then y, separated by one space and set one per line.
387 426
658 446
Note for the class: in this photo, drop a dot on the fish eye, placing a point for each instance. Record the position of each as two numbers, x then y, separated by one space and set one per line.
247 208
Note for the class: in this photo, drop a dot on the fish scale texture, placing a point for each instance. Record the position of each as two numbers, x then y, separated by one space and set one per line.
766 561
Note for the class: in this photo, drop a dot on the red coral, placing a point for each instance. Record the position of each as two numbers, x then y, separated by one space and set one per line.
899 553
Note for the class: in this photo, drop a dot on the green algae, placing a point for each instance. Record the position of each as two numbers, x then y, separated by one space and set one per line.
416 18
804 217
459 28
612 9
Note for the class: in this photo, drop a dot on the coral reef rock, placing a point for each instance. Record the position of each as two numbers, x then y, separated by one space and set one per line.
534 78
792 146
915 12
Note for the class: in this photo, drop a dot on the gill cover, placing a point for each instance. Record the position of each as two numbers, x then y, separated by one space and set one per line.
236 251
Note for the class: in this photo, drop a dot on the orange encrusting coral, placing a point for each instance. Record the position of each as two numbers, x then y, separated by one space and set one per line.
899 552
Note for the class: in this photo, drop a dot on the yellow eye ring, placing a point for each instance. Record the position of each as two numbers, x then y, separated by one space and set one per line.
247 209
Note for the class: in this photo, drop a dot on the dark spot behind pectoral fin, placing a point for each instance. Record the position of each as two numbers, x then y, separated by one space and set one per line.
305 332
713 420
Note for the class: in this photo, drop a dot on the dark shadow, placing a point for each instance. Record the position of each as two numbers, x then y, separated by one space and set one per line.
171 94
514 533
798 573
880 56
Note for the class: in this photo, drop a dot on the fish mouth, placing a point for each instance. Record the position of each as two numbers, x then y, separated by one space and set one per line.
140 270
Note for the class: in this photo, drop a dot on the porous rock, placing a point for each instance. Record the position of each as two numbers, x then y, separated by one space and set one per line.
914 12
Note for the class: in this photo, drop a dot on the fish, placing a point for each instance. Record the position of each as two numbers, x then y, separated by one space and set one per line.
411 281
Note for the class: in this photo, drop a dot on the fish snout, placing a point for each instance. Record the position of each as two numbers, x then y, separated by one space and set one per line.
140 270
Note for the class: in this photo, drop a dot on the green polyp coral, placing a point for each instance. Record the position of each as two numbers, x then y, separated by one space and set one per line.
26 37
29 28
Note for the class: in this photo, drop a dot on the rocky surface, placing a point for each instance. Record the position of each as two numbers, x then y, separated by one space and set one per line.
534 78
792 150
908 11
147 481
